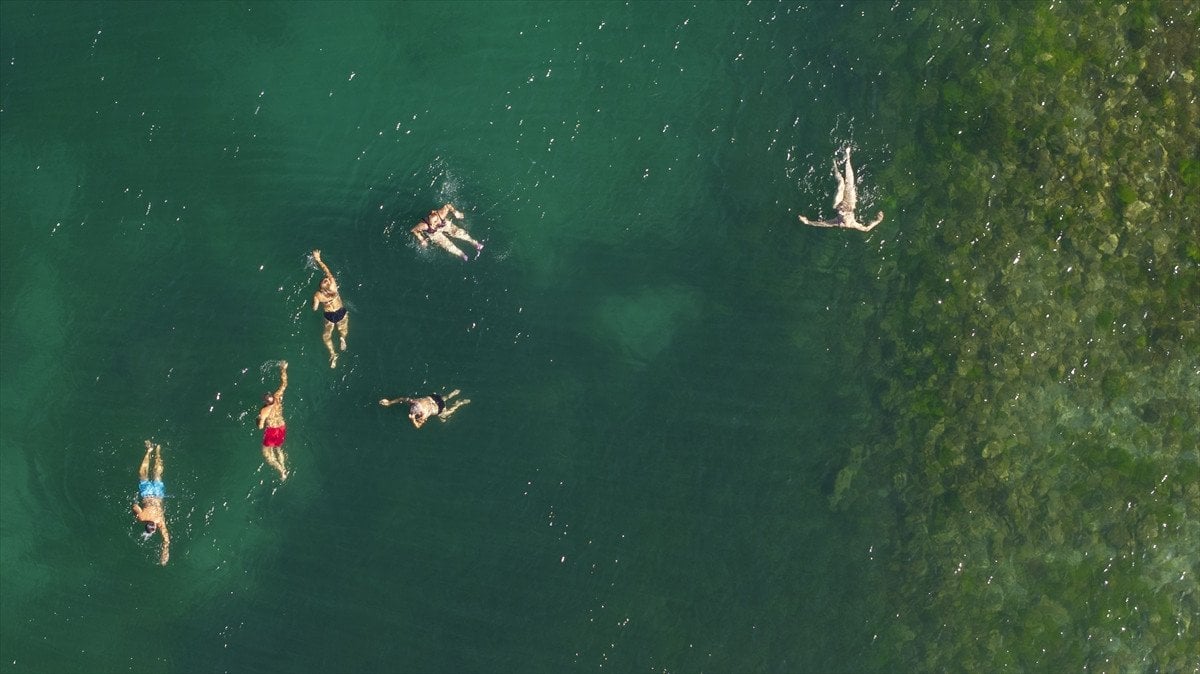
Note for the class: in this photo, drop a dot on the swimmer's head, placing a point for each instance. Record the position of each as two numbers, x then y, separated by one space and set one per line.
326 283
151 527
269 398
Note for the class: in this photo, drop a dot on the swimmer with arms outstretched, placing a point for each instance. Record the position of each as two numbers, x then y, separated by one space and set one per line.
438 228
151 492
270 419
432 405
844 203
335 311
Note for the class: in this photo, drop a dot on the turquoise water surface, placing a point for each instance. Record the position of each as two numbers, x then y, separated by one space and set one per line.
701 437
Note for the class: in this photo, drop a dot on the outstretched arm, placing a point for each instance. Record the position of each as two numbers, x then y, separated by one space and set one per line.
166 545
387 403
282 380
878 219
418 231
321 263
821 223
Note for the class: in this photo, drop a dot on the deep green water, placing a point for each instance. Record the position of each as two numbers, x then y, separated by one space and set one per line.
702 438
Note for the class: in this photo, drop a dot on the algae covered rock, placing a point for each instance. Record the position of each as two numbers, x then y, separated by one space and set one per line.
1035 405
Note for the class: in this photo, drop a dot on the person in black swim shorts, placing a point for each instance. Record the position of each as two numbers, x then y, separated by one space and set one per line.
432 405
335 311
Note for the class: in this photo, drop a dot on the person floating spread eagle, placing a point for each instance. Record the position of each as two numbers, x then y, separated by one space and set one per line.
844 203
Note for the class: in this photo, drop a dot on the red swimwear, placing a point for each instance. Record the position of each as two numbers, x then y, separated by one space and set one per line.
274 437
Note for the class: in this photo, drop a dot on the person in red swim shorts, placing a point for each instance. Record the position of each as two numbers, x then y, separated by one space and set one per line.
270 419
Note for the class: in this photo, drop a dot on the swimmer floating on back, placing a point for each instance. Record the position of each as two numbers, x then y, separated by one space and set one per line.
432 405
438 228
151 492
844 203
335 311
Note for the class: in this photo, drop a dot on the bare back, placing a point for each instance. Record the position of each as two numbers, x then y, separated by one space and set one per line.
427 406
271 415
150 510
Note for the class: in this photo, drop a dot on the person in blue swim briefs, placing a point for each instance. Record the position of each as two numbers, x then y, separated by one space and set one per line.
151 492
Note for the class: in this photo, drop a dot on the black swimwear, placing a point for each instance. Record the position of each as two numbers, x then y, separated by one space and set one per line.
335 316
440 403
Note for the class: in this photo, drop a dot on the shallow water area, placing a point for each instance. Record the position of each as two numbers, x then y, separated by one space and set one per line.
700 436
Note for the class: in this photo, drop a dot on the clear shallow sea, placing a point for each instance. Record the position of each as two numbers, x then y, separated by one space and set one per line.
702 438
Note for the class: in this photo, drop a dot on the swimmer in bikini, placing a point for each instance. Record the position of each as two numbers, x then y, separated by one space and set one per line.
151 492
844 203
270 419
432 405
335 311
438 228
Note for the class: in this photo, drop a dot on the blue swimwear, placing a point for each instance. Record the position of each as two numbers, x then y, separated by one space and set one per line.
151 489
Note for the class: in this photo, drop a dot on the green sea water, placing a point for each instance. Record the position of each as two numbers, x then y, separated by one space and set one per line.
701 437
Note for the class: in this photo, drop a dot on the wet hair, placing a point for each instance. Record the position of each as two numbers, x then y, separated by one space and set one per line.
151 527
269 398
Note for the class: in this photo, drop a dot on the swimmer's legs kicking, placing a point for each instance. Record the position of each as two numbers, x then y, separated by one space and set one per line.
462 235
446 244
444 414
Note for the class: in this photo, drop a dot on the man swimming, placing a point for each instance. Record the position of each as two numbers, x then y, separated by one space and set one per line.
845 202
335 311
438 228
432 405
151 492
270 419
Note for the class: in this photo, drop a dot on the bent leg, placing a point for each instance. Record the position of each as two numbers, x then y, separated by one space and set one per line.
269 457
445 414
447 245
327 337
462 235
281 458
343 330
